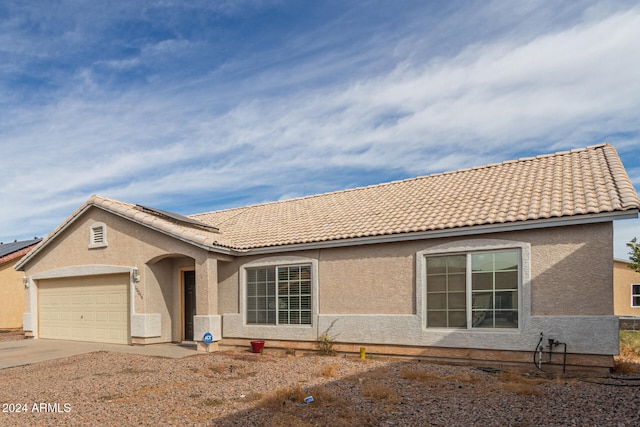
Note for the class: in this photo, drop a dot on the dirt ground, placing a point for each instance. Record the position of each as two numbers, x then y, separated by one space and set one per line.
241 388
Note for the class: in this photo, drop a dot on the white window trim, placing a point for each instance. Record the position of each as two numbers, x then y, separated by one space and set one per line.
92 236
632 295
466 247
280 262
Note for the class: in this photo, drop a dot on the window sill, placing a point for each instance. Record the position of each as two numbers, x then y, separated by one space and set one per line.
475 330
97 245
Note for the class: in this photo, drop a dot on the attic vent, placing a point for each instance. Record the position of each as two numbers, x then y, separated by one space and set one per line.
97 235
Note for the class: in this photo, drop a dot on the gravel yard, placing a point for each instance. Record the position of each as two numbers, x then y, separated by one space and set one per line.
241 388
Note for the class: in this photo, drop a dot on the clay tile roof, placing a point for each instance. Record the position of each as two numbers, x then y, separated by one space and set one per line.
14 250
590 180
570 184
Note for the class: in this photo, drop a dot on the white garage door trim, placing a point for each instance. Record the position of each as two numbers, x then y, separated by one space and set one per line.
86 308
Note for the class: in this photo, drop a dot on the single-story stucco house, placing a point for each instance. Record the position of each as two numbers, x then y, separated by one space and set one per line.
11 283
626 294
468 265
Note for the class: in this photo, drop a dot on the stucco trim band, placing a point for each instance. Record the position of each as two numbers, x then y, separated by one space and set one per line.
408 330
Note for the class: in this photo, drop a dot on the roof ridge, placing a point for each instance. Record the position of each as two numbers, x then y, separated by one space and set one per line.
395 182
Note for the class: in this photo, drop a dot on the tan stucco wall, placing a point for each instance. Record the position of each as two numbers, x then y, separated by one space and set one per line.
11 296
157 257
623 278
571 273
368 279
572 270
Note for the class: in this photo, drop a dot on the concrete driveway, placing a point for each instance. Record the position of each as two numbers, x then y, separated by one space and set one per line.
28 351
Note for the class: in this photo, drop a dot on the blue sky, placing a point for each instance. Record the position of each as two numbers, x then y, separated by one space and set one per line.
203 105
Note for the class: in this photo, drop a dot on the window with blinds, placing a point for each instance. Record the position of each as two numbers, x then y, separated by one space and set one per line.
279 295
474 290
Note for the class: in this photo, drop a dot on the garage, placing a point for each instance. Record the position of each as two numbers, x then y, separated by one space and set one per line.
88 308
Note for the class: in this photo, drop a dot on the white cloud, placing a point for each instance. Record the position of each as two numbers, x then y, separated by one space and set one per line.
489 102
624 231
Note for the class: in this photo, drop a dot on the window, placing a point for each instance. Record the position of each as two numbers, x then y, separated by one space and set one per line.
97 235
279 295
475 290
635 295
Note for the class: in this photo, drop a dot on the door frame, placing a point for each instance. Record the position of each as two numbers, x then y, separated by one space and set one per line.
182 301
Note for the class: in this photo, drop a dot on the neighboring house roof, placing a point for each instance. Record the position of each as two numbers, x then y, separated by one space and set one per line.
13 250
584 185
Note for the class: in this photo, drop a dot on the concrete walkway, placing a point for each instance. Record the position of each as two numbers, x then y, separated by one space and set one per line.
28 351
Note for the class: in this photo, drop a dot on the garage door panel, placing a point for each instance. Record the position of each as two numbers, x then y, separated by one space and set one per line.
85 309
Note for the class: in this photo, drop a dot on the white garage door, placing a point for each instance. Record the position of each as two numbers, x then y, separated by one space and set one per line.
91 308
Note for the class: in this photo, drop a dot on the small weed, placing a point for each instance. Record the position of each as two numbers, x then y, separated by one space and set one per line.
630 344
323 396
194 396
624 366
212 402
282 397
326 341
253 396
629 359
520 384
329 371
375 390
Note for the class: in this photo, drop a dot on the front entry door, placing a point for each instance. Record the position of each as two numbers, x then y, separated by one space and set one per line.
189 281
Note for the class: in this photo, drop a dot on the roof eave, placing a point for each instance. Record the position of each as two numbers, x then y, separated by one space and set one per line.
50 238
400 237
457 232
217 249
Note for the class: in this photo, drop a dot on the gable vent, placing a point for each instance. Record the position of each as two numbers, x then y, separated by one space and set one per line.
98 236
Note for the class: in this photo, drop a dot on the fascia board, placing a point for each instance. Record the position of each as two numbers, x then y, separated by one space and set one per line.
73 219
